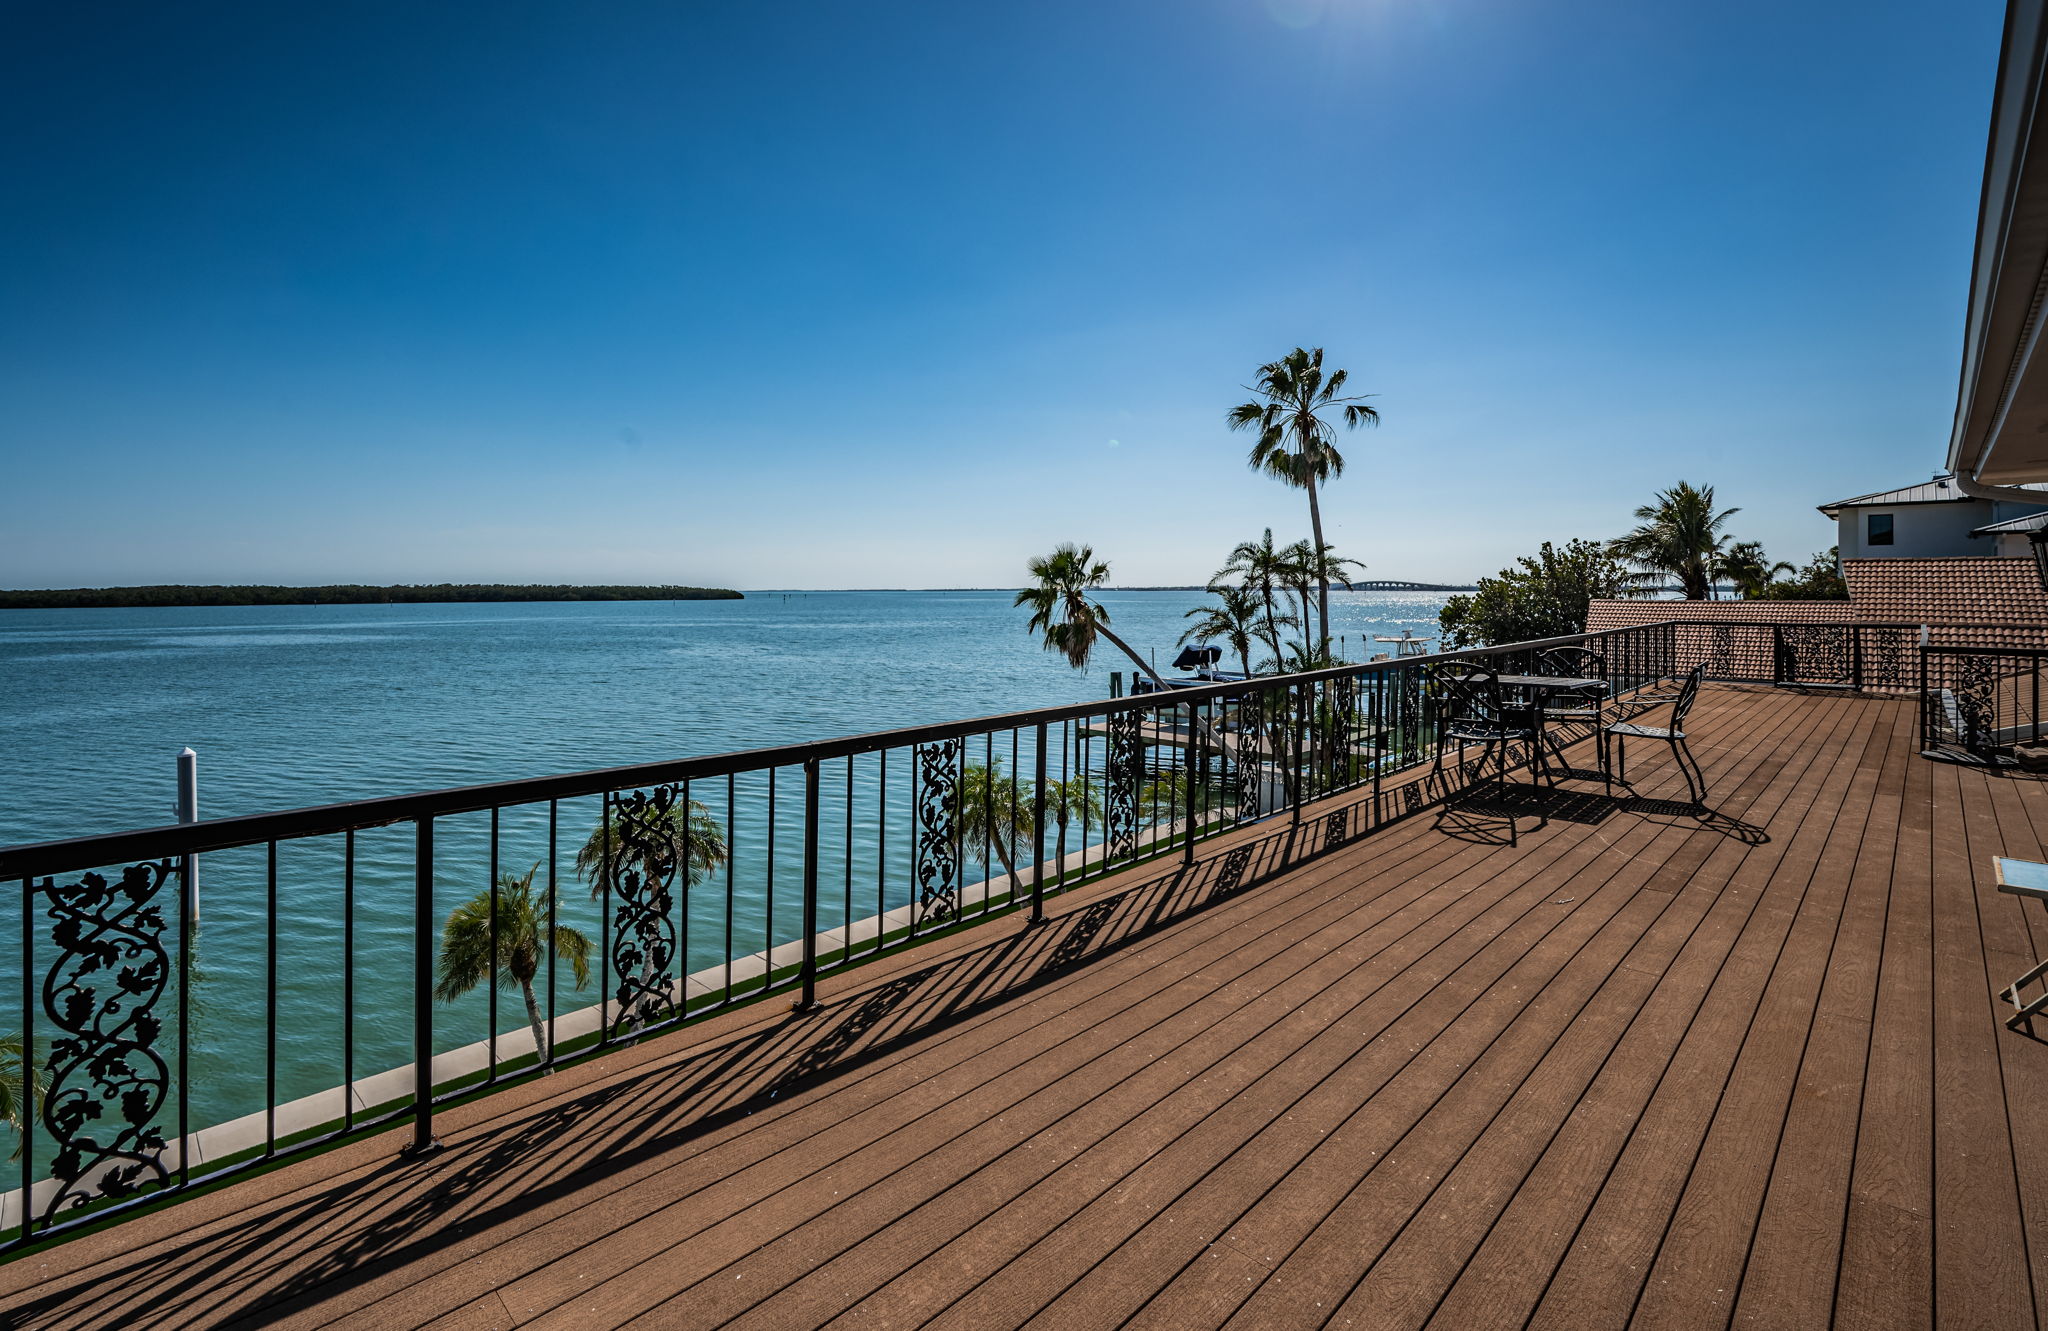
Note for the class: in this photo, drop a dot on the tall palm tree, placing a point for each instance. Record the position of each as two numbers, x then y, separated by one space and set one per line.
1296 444
1064 609
1746 568
1262 567
689 838
1680 537
993 812
1233 620
523 941
1073 800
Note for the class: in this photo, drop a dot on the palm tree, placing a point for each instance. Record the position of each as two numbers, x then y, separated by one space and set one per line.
1233 620
993 811
1070 801
1680 538
1261 567
1165 797
688 837
1745 567
1295 443
1065 611
19 1093
522 938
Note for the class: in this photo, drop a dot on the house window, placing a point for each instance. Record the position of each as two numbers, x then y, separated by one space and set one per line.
1880 532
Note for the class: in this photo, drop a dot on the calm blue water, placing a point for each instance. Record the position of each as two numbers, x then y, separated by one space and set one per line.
293 706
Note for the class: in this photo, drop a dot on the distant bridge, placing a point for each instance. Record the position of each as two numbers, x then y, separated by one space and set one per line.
1384 585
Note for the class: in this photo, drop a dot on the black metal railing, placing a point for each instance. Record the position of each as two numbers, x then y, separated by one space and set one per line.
361 963
1979 703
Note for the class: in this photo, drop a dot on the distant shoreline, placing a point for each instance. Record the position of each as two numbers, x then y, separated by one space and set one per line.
445 593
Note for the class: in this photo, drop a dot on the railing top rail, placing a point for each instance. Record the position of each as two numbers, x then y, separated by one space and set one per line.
45 857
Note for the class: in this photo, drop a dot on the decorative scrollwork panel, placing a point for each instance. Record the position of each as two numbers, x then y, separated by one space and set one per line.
106 1079
649 847
938 848
1975 709
1814 654
1126 773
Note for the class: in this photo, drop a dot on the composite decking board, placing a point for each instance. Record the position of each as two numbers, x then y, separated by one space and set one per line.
1696 1276
1980 1261
1795 1250
1998 822
1405 1281
1312 1275
1068 1246
1399 924
933 1232
1239 946
1610 1254
1438 1273
1158 1184
1887 1271
1287 967
1503 1279
608 1224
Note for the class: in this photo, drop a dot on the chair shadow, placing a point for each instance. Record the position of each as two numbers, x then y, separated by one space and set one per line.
284 1256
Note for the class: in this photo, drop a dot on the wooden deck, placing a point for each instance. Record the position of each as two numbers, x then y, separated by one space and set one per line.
1642 1069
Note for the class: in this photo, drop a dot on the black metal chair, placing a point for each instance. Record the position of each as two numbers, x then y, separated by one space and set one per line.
1674 735
1471 710
1585 706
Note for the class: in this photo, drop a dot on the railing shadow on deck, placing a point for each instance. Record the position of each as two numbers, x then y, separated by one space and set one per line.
509 1169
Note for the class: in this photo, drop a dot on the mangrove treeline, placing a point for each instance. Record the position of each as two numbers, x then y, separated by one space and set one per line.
71 598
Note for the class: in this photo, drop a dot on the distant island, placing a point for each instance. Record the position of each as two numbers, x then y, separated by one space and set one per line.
440 593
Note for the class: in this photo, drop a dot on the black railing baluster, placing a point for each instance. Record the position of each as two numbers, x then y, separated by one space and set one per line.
846 863
270 1003
732 855
423 988
491 1031
32 1107
554 828
348 988
881 850
768 924
1038 830
186 902
809 1000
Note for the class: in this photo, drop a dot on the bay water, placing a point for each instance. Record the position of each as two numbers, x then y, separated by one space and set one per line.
290 706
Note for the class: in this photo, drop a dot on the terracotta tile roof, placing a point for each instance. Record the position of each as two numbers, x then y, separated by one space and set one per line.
1975 601
1973 590
1604 615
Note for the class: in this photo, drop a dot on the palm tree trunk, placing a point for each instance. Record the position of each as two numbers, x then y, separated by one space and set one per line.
1315 522
1009 865
540 1039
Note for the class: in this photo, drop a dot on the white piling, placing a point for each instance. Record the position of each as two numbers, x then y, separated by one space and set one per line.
188 812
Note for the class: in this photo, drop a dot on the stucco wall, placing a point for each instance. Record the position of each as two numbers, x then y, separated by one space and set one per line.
1919 531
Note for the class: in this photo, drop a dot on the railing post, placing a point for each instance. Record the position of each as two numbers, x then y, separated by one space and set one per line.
809 1001
1856 656
423 989
1187 848
1038 833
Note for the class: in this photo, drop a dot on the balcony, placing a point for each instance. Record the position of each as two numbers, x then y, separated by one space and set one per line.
1654 1064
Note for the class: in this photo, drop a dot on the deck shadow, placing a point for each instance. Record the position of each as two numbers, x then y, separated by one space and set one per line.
409 1209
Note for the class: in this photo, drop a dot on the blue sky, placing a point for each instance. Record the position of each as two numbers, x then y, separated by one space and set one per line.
889 294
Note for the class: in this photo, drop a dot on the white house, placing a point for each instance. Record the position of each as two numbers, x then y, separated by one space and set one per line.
1931 520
